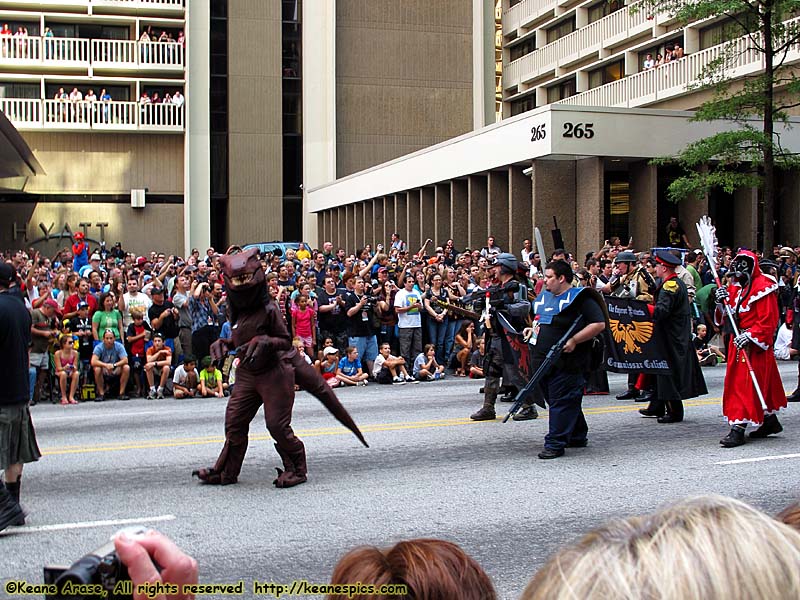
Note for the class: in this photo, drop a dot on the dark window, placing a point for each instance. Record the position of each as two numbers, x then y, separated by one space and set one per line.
607 74
32 27
290 11
20 90
725 31
218 122
558 31
522 105
562 90
520 50
603 9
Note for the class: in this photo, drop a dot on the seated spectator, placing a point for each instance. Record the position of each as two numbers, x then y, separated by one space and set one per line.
107 317
81 327
389 369
425 366
327 343
464 344
705 547
476 360
350 371
67 369
431 569
159 359
783 341
708 355
185 381
110 364
138 334
328 366
211 380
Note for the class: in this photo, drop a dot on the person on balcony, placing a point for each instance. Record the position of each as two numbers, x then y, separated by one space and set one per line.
144 41
178 99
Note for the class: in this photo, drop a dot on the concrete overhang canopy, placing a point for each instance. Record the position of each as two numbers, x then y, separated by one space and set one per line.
554 132
16 158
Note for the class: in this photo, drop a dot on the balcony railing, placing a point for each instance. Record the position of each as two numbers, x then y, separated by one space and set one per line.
111 116
525 12
116 54
140 4
144 6
575 46
673 78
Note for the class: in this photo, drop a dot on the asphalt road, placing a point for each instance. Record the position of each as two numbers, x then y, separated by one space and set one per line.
430 472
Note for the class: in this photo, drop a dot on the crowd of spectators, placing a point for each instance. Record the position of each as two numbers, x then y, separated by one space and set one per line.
671 53
386 316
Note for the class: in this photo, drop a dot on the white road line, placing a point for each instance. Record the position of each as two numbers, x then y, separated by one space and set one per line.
87 524
758 459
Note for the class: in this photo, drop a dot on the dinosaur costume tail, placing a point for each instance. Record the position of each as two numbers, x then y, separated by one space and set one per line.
312 382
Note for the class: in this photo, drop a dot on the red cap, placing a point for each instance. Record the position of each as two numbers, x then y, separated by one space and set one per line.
79 235
141 260
51 303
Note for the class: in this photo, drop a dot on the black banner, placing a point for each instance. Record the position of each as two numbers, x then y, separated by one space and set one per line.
632 344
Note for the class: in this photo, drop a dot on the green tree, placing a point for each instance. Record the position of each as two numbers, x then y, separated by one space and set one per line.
748 154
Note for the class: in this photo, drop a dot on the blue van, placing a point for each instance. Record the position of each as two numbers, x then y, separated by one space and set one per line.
276 248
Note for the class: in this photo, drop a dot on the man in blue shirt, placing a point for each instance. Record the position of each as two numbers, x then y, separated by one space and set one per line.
110 364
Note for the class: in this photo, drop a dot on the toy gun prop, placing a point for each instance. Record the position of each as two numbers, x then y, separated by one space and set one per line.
708 240
486 314
549 360
458 311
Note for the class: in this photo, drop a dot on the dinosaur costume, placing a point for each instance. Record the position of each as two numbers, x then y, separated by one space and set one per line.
268 370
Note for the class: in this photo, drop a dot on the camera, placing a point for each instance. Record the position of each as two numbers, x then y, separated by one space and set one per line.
99 574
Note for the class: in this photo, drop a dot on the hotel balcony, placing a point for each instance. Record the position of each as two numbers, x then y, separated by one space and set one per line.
51 115
673 78
580 44
77 53
162 8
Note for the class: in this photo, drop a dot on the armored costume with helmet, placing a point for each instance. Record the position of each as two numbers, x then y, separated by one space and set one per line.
636 283
508 297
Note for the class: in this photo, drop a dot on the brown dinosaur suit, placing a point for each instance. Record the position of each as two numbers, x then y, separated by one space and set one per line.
268 370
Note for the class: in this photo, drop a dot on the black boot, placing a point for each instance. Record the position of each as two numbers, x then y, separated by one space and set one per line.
486 413
10 511
526 413
794 396
771 425
734 438
629 394
13 489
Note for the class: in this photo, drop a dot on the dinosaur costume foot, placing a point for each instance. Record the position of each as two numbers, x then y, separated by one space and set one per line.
287 479
211 477
294 468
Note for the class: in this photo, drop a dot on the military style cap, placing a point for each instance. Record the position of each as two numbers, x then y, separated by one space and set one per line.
667 258
626 257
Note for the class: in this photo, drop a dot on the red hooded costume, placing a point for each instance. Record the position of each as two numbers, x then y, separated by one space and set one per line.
756 308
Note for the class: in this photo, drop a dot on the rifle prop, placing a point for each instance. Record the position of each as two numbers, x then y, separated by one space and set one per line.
540 249
552 357
558 240
458 311
708 240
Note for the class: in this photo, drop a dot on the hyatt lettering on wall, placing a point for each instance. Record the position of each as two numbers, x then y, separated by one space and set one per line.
19 232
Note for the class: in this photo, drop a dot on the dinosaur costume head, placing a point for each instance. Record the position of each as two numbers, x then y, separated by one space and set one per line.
244 279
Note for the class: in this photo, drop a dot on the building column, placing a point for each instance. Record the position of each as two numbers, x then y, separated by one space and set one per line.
459 215
338 223
369 219
589 205
520 208
789 208
412 236
745 226
389 223
350 227
361 236
322 221
498 208
553 184
427 215
443 210
478 213
400 217
643 193
377 223
197 141
319 100
689 213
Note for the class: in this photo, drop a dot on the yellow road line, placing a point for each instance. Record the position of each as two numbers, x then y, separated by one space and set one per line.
324 431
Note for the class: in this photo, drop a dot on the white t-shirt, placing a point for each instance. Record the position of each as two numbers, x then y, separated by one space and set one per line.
378 364
783 342
412 318
141 301
181 376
